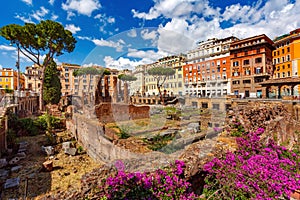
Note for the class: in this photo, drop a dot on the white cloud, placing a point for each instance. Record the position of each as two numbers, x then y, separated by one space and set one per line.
74 29
202 21
84 7
29 2
39 14
7 48
70 15
175 8
111 20
54 17
149 35
24 19
121 63
132 33
51 2
116 45
150 54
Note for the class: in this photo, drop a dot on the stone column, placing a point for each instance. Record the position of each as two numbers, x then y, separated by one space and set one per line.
106 86
125 92
115 89
279 91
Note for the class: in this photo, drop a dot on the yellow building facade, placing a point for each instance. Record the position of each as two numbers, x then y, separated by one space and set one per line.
9 79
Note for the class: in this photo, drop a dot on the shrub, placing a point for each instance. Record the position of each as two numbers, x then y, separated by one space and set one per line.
255 171
166 184
47 122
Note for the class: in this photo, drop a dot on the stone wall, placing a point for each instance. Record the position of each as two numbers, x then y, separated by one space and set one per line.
112 112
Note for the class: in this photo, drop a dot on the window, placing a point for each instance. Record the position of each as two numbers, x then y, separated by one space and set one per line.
283 67
283 74
216 106
246 81
236 63
258 60
288 66
288 57
283 51
278 75
288 74
288 49
67 80
246 62
66 74
179 75
258 70
283 59
274 53
235 82
66 69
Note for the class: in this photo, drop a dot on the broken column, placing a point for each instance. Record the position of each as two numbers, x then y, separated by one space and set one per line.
115 89
106 86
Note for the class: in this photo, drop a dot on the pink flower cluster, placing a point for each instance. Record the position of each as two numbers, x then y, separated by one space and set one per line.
255 171
166 183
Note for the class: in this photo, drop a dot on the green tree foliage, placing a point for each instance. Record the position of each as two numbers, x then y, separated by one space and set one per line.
52 85
160 75
47 38
126 78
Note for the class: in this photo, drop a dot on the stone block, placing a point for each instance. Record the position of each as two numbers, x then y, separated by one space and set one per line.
14 161
49 150
16 168
21 155
71 151
13 182
23 145
3 174
48 165
66 145
3 162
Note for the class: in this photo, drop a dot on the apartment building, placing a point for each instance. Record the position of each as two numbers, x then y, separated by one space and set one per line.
69 83
207 72
251 64
286 59
9 79
33 78
173 84
138 86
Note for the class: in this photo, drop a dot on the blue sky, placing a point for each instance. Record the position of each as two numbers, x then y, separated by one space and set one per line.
123 34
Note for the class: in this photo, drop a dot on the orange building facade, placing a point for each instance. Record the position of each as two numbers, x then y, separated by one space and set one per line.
286 60
207 72
251 64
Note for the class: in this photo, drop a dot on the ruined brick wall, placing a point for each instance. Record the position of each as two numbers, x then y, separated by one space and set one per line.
111 112
90 134
2 136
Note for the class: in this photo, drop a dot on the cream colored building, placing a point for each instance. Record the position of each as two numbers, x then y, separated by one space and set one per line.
173 84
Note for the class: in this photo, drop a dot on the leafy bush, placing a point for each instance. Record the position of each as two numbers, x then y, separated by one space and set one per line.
255 171
47 122
28 126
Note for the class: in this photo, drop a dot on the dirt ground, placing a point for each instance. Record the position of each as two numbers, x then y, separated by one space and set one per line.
66 174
